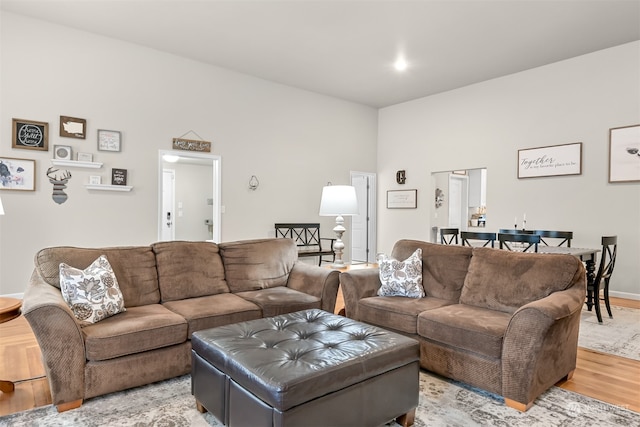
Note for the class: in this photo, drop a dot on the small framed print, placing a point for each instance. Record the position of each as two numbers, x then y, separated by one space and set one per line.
109 140
84 157
30 135
402 199
118 176
624 154
17 174
62 152
73 127
95 180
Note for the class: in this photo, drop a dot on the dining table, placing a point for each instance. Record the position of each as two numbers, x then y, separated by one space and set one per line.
588 257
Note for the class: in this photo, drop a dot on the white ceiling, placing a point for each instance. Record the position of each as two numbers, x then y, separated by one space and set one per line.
346 49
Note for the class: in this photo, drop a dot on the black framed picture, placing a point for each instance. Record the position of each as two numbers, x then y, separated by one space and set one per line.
118 176
30 135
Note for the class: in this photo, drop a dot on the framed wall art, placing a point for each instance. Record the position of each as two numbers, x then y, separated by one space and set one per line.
73 127
624 154
118 176
555 160
17 174
109 140
84 157
30 135
402 199
62 152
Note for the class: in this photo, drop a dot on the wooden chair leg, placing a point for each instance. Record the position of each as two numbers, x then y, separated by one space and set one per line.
606 298
69 405
407 419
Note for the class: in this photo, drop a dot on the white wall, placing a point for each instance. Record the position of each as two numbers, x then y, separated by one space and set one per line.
577 100
287 137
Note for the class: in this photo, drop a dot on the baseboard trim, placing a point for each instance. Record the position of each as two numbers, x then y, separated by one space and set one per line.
20 296
624 295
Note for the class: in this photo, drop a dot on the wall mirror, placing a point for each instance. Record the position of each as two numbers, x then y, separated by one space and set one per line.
188 196
459 199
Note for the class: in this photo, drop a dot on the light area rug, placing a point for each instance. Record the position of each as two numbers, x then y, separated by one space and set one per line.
619 336
442 403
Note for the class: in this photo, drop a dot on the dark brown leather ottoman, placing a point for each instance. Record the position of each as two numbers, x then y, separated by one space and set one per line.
310 368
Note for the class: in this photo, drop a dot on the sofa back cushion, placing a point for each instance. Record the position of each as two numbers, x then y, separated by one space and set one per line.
250 265
505 281
133 266
444 267
189 270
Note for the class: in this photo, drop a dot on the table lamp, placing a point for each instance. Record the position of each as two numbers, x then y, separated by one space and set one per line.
338 200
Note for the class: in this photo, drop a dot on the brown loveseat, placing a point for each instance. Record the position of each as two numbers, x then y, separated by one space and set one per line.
503 321
170 290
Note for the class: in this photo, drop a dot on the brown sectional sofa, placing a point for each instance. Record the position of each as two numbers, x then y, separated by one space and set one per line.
170 290
503 321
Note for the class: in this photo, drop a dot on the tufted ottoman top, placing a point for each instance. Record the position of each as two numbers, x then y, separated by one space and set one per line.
293 358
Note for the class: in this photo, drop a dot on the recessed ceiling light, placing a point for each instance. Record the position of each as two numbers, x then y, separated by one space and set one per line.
400 64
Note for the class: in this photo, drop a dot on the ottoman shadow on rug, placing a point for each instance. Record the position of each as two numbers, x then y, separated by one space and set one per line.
442 403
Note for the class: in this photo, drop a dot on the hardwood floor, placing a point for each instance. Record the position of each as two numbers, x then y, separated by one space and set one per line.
608 378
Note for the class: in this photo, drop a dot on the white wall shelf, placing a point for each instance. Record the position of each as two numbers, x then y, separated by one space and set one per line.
106 187
76 164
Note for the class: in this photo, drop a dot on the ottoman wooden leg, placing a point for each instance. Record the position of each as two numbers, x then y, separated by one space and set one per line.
407 419
200 408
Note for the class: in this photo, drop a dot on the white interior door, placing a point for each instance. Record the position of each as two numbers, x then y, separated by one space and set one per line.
168 231
363 238
458 202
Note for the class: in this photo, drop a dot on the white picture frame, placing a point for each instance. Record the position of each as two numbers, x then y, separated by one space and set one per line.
84 157
402 199
62 152
109 140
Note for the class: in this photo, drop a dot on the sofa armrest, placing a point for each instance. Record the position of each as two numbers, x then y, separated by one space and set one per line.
317 281
358 284
541 343
59 337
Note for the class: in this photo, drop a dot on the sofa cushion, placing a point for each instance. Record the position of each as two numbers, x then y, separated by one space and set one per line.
505 281
444 267
250 265
93 293
214 310
462 326
138 329
134 266
397 313
280 300
189 270
401 278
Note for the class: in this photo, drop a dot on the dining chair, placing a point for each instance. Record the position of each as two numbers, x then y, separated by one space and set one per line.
448 236
530 241
485 237
566 237
605 270
514 231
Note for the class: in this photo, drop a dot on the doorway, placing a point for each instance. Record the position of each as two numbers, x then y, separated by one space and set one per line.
363 226
189 196
458 201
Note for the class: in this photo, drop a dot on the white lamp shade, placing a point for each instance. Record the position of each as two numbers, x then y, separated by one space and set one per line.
338 200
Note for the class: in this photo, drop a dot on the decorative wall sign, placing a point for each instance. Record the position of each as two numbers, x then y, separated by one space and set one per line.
17 174
553 160
401 177
59 184
402 199
191 145
73 127
118 176
624 154
30 135
84 157
109 140
62 152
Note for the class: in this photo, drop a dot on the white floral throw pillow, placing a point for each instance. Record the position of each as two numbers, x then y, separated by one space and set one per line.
93 294
401 278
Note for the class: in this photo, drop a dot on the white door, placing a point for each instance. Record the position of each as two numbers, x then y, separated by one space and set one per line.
363 238
168 209
458 202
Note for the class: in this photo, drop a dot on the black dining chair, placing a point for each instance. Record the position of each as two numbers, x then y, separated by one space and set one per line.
486 237
530 241
605 270
564 237
448 236
514 231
